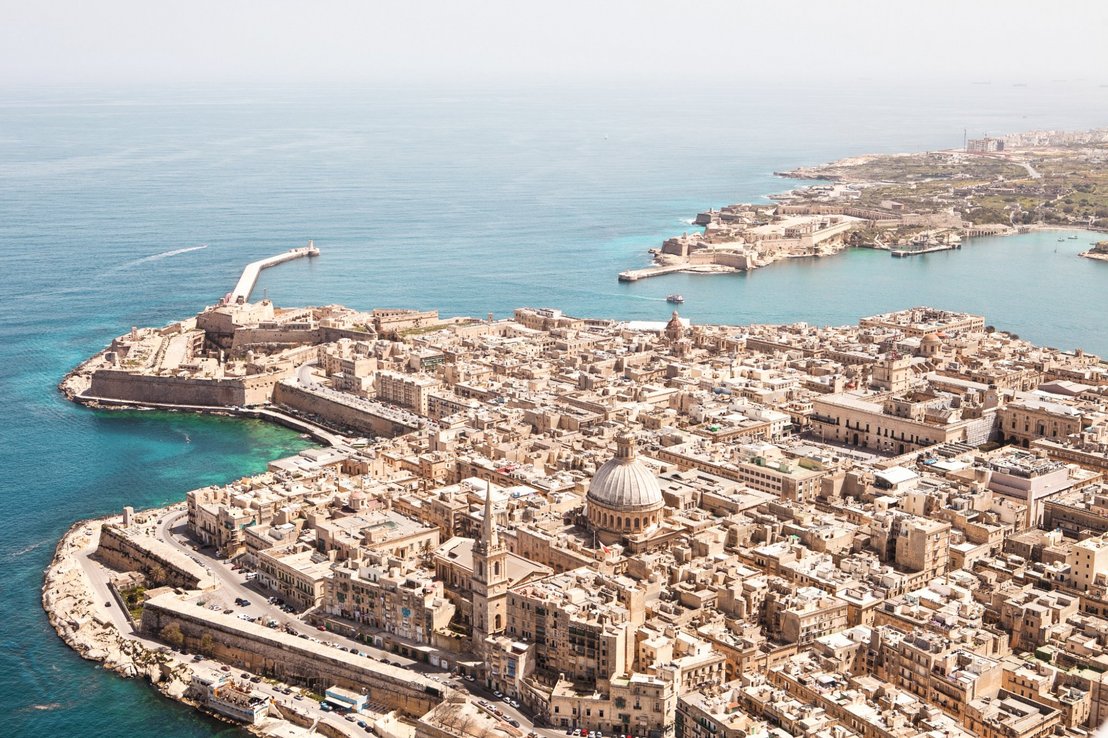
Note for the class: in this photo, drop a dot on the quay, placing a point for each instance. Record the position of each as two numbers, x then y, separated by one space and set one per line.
634 275
249 277
901 253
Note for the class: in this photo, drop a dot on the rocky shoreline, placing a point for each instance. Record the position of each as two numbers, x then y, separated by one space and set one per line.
1098 252
70 603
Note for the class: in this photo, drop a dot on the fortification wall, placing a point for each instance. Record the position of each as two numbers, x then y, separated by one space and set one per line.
158 562
289 658
113 384
257 336
338 413
120 385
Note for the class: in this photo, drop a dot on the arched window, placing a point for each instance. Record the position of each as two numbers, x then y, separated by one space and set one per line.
499 624
496 568
638 523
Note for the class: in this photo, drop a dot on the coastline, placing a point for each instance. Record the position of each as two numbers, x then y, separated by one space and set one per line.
870 201
70 599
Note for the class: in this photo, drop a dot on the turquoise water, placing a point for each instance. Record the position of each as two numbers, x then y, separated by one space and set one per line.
468 201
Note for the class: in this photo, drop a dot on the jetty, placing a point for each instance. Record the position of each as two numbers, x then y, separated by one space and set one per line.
900 253
249 277
634 275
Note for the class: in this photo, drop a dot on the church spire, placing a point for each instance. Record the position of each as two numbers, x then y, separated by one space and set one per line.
489 536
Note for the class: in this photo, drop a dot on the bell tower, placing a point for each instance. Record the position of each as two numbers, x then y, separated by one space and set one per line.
490 580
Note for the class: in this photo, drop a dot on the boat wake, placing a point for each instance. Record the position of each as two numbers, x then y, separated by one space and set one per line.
163 255
25 550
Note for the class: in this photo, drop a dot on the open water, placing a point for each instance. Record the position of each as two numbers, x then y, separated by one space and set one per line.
466 201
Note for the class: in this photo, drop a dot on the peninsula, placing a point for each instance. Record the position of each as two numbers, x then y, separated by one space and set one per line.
907 204
548 525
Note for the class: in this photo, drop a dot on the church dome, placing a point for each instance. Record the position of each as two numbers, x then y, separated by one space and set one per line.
625 484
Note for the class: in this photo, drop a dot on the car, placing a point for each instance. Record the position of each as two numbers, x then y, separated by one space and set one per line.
468 677
397 663
513 703
246 603
256 679
108 603
571 731
244 675
482 703
197 657
363 724
349 717
225 668
325 707
298 697
228 611
513 722
497 695
320 627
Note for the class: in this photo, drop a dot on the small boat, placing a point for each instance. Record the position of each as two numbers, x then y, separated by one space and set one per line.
676 299
1073 237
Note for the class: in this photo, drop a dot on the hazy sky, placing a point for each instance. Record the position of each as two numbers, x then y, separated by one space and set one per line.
74 42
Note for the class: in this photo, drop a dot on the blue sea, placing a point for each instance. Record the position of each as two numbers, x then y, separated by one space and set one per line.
139 207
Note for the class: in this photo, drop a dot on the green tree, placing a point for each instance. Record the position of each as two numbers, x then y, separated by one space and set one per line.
172 635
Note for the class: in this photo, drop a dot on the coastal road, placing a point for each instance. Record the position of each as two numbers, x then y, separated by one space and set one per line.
98 577
233 584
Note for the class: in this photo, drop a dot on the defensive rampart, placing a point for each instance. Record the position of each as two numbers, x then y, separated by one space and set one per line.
115 384
344 413
153 558
289 658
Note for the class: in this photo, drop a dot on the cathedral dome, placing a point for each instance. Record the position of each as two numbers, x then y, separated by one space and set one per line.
625 484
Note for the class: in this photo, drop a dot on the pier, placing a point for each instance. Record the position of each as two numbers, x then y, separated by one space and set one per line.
634 275
249 277
901 253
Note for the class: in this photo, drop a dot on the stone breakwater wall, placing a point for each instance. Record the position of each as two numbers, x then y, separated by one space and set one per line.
114 384
290 659
159 562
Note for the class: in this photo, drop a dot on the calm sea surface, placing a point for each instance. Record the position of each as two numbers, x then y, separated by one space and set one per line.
469 202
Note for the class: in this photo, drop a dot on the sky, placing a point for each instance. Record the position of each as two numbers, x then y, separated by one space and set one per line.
117 42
